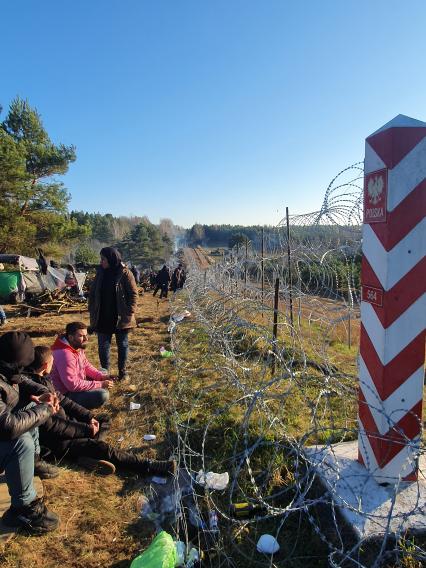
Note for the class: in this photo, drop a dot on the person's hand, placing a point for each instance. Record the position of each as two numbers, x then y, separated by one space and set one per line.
113 377
49 399
107 384
94 427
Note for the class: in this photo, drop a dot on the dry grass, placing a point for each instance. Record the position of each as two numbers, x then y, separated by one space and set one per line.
99 525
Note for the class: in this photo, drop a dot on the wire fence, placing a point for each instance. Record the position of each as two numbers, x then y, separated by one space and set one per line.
266 370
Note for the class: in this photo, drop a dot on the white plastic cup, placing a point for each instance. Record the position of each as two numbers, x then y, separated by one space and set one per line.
268 544
149 437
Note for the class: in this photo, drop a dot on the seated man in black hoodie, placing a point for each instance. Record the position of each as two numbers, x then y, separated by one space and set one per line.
74 431
24 405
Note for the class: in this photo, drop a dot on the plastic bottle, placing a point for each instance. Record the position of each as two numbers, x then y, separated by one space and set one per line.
246 510
195 518
180 553
193 558
213 522
164 353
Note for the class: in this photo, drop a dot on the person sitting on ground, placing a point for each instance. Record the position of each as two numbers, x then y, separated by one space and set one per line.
72 373
74 431
24 405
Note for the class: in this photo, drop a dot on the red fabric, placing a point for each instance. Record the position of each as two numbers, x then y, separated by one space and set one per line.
72 371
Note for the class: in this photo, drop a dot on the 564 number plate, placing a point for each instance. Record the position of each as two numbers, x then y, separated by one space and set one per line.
372 295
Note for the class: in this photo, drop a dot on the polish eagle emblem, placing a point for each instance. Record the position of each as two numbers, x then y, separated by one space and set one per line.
375 189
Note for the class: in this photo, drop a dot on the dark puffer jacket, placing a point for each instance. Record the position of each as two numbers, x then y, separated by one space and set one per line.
126 298
13 396
69 423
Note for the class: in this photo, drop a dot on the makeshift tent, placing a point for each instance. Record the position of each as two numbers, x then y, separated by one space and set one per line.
21 262
28 278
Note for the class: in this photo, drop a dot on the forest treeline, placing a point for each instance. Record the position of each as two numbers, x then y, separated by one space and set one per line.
34 205
232 235
326 259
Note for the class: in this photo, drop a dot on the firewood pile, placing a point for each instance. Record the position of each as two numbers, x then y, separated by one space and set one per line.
52 302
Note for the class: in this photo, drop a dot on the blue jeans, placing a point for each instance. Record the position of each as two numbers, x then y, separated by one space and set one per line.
90 399
2 315
104 348
17 459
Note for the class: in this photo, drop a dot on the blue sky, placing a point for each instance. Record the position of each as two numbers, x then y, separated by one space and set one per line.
220 111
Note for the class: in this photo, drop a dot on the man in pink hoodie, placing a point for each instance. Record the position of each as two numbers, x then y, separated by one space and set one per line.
72 374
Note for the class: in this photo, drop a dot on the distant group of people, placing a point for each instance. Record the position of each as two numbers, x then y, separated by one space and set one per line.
48 395
165 280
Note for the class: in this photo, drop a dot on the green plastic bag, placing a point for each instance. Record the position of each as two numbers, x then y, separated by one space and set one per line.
161 553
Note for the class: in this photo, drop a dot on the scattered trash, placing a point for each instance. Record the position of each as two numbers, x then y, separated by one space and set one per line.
161 552
191 330
164 353
268 544
146 511
149 437
246 510
192 558
194 517
167 500
180 553
134 405
120 439
213 522
159 480
171 326
180 317
213 480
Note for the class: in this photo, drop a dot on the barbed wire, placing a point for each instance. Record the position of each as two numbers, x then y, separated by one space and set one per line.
259 404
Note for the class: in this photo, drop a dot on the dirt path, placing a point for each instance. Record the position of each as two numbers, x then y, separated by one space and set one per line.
197 256
99 524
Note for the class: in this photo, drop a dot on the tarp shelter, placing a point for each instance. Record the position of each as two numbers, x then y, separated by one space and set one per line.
27 277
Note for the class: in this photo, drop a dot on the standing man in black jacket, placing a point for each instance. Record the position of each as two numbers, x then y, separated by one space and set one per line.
163 281
24 405
112 305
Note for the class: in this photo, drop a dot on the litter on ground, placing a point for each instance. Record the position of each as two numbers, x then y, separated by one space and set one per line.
213 480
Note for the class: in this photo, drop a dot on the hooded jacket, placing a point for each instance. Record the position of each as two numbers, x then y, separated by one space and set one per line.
163 277
16 351
126 294
71 369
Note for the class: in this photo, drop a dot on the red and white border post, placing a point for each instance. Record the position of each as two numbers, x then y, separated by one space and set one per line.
393 307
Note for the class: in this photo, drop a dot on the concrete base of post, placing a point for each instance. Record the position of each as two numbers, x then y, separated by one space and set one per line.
371 510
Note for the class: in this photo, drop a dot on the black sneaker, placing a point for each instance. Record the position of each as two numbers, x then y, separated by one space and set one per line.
123 375
161 468
43 469
33 518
